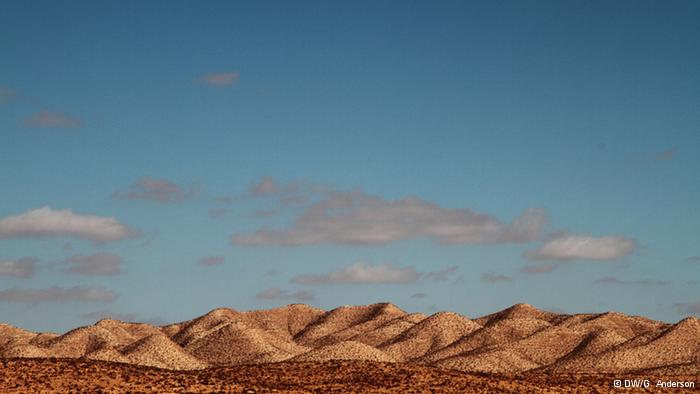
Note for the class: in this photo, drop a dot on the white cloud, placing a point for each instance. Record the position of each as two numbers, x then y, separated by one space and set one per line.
59 294
95 264
566 247
666 154
279 294
221 78
46 222
361 272
441 275
52 119
20 268
689 307
99 315
263 187
495 278
611 280
208 261
540 268
157 190
355 218
126 317
218 212
293 193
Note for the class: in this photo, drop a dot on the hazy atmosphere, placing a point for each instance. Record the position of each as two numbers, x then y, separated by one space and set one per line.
161 159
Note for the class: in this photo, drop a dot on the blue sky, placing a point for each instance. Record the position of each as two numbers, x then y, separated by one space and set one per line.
459 156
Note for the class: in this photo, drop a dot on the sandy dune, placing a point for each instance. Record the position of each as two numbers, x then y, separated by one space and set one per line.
516 340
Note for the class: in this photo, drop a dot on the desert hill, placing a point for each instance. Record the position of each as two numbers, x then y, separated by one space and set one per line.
518 339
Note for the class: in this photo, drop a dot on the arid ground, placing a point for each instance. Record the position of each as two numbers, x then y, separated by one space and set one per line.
374 348
70 375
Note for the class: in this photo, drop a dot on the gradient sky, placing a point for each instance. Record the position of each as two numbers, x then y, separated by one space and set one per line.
161 159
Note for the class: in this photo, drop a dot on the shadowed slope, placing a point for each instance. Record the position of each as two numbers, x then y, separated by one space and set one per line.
191 330
677 345
429 335
286 321
235 343
346 322
389 330
158 350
